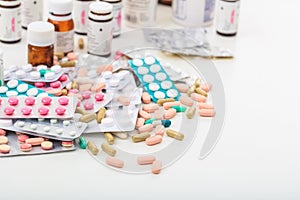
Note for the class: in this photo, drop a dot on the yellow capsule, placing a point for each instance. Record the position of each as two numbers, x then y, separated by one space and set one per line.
70 63
101 114
109 138
87 117
162 101
64 92
74 85
108 149
191 112
80 43
200 91
191 90
80 111
174 134
140 137
197 82
59 55
93 148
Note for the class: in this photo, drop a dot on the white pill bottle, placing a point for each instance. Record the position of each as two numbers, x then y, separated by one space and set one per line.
117 8
140 13
80 15
193 13
100 28
1 68
227 17
31 11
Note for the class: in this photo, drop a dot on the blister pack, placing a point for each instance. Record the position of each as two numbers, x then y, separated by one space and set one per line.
20 88
154 78
128 96
37 107
20 145
54 128
60 83
92 102
29 73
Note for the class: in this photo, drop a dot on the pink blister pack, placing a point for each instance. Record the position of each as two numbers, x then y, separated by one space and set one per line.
92 102
60 83
37 107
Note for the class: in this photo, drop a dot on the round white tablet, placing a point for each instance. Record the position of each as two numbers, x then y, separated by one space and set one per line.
137 62
32 92
114 82
12 93
166 85
46 129
148 78
79 124
159 95
3 89
49 75
22 88
66 122
153 86
53 121
172 93
59 131
155 68
34 75
56 68
33 126
149 60
6 74
43 94
106 74
21 124
27 68
40 67
20 74
107 121
72 133
143 70
161 76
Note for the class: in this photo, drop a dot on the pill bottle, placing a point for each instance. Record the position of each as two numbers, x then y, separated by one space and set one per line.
140 13
31 11
10 21
80 15
40 39
165 2
60 15
193 13
227 17
117 17
100 28
1 67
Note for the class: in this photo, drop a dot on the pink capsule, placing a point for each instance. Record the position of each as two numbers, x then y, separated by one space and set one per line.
187 101
55 84
63 78
78 104
43 110
26 111
39 84
144 114
99 97
29 101
139 122
0 101
206 87
198 97
86 95
75 91
60 110
150 108
154 140
63 101
168 105
115 162
159 130
158 114
46 101
205 106
146 128
207 113
169 114
156 167
145 160
13 101
89 106
9 110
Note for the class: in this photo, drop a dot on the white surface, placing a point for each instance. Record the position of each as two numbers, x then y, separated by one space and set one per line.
257 156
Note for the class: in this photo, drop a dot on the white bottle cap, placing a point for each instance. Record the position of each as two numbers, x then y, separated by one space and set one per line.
102 8
60 6
40 34
10 3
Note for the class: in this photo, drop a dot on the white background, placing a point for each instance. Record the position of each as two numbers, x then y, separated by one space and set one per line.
257 156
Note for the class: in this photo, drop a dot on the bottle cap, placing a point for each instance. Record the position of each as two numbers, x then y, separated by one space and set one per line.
60 6
10 3
40 33
100 10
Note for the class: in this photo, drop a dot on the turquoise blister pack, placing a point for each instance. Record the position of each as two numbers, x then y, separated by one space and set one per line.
154 78
20 88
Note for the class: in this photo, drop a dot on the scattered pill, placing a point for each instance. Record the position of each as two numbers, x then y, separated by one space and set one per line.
88 117
159 130
108 149
162 101
150 108
150 121
198 97
101 114
179 108
187 101
169 114
168 105
82 143
2 132
92 148
201 92
114 162
109 138
144 114
146 98
174 134
140 137
156 167
146 128
80 43
183 88
154 140
80 111
205 87
145 160
207 112
205 106
191 112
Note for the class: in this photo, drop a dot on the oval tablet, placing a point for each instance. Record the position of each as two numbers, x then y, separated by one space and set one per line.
115 162
156 167
12 84
22 88
3 89
3 140
207 113
155 68
159 95
172 93
145 160
153 86
154 140
148 78
35 141
187 101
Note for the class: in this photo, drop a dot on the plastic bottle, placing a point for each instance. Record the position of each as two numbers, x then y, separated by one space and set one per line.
1 68
10 21
40 39
60 15
80 13
31 11
100 29
117 17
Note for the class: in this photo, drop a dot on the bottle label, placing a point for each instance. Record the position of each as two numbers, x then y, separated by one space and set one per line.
10 24
80 15
140 12
180 9
31 11
64 41
227 17
117 19
209 10
99 37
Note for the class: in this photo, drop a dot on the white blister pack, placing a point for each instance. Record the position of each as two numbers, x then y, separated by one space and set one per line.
37 107
92 102
29 73
115 81
132 96
15 148
54 128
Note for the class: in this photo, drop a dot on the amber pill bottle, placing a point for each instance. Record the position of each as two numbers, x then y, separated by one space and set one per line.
40 39
60 15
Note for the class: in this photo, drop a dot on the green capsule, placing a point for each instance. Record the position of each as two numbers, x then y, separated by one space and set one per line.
43 72
82 142
149 121
179 108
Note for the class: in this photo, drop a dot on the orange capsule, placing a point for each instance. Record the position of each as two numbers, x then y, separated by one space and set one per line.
169 114
145 160
207 113
146 128
154 140
206 87
168 105
114 162
198 97
150 108
205 106
156 167
146 98
187 101
139 122
144 114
